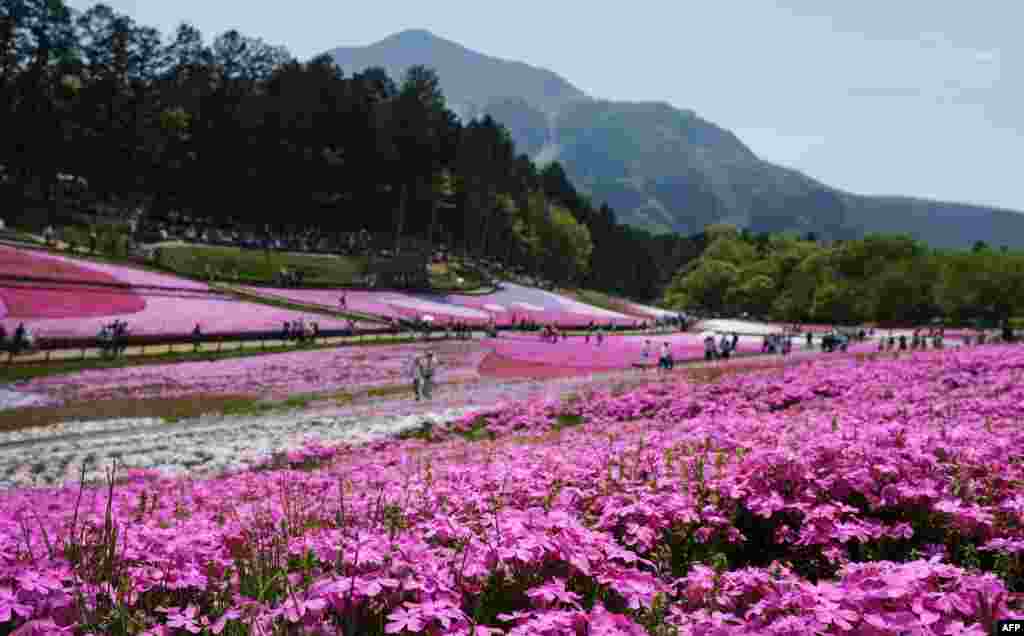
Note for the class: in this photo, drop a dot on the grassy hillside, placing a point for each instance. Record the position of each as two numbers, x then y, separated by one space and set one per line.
258 266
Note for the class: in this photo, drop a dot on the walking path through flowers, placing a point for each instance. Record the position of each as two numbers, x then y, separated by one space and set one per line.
52 455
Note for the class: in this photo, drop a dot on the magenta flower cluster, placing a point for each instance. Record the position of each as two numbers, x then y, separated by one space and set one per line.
835 497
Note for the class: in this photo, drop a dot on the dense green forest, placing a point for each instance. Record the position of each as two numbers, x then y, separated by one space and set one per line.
886 279
239 131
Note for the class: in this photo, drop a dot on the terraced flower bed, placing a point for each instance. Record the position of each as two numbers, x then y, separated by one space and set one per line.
53 300
274 376
159 304
835 498
510 304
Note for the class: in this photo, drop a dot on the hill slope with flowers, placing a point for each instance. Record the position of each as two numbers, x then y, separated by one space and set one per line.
84 295
841 497
509 304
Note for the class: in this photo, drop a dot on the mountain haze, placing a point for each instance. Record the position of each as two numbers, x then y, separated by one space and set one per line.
663 168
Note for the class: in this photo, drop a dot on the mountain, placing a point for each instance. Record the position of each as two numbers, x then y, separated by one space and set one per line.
663 168
471 80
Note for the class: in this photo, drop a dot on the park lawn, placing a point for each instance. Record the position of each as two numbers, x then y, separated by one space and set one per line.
260 266
445 277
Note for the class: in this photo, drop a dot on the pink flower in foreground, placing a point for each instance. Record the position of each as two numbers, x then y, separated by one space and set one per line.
11 607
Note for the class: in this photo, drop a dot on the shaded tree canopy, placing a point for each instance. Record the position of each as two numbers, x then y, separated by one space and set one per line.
237 131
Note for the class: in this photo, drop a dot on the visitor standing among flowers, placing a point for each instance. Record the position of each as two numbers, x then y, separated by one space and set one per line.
425 372
709 348
414 372
665 361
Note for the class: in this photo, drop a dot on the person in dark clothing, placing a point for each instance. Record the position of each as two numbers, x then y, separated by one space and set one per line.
197 337
18 342
903 342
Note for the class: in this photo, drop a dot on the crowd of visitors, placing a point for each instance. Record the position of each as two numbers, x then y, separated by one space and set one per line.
183 228
111 339
665 359
21 341
779 343
300 331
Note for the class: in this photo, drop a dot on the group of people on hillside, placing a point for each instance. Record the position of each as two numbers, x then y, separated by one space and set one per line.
111 338
919 339
291 278
722 349
21 340
778 343
665 359
300 330
552 334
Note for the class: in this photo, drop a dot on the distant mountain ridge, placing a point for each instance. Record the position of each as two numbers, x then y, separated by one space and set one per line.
471 80
663 168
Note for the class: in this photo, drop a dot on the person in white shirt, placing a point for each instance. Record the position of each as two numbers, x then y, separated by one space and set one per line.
423 381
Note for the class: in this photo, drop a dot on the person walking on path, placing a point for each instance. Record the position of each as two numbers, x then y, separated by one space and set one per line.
197 338
723 347
709 348
423 376
417 377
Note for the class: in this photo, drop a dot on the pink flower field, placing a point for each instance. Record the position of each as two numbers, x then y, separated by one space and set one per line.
73 311
49 300
280 375
512 303
835 497
619 352
274 376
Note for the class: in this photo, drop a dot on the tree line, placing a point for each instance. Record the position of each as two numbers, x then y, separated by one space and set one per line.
883 279
239 131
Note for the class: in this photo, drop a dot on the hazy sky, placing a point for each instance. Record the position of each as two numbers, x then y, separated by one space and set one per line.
913 97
